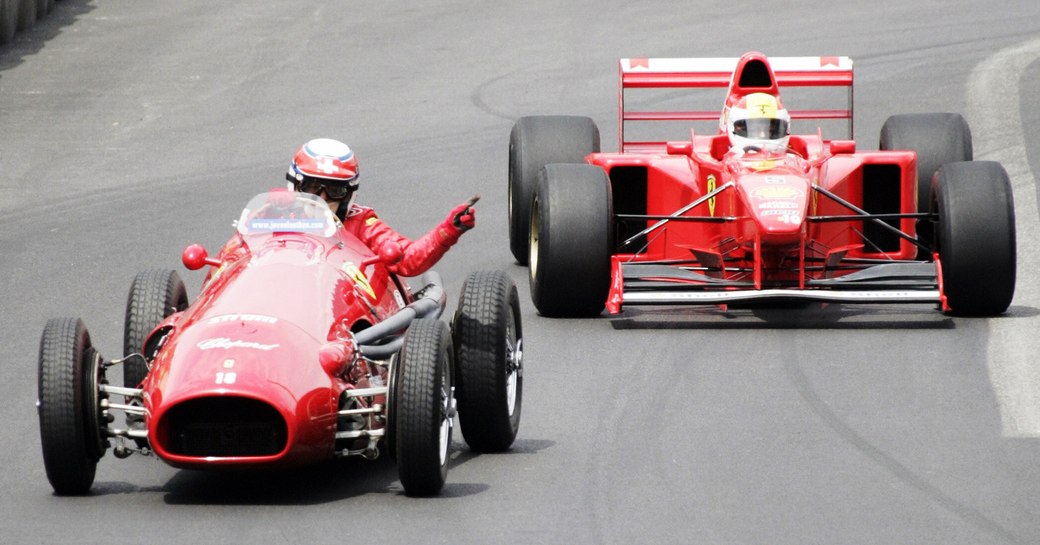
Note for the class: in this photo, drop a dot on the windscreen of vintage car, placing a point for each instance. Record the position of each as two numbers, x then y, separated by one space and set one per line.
287 212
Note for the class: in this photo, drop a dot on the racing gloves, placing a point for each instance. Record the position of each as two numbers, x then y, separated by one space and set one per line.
462 218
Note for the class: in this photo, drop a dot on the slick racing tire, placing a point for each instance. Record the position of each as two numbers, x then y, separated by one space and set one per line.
70 374
489 377
43 7
571 241
26 15
8 20
975 236
937 139
534 142
154 295
425 407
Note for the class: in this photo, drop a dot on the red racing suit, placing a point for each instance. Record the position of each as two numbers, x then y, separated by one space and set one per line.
418 255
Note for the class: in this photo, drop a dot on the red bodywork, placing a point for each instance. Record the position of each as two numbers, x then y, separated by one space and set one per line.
696 224
237 379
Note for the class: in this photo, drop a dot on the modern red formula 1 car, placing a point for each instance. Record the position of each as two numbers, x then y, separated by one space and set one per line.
302 346
665 222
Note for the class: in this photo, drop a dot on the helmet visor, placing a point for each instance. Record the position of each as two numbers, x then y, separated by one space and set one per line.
761 128
315 186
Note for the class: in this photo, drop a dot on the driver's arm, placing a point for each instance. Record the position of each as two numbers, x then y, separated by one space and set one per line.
418 255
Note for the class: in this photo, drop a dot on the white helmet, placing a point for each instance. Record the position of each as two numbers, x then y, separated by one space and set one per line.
758 121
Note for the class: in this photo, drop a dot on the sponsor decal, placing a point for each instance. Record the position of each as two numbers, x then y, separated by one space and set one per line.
399 299
711 187
768 164
242 318
370 221
775 180
303 225
359 278
226 343
786 205
776 192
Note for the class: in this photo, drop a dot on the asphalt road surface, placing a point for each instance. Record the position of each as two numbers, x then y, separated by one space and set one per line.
131 129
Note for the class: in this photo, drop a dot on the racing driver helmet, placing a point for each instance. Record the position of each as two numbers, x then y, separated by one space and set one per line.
325 165
758 121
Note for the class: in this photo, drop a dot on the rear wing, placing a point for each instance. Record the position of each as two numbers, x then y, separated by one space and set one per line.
636 73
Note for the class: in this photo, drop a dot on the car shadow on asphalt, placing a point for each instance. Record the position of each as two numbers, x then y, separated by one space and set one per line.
325 482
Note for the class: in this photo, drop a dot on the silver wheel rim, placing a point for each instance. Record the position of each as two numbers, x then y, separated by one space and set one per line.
447 413
514 362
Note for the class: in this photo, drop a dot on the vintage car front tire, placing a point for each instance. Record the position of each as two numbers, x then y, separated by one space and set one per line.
154 295
26 15
534 142
69 375
424 407
975 236
488 339
8 20
571 241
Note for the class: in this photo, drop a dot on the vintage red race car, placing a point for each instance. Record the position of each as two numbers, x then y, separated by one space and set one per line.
302 346
666 222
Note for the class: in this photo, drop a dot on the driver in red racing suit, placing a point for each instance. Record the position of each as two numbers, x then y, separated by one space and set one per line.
328 168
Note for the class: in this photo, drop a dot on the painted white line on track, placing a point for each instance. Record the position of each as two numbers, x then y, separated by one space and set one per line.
994 114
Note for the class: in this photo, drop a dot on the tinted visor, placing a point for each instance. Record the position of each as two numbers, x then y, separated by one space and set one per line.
762 128
335 191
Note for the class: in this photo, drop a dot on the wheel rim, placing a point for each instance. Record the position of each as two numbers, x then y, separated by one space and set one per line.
514 363
447 412
94 414
532 256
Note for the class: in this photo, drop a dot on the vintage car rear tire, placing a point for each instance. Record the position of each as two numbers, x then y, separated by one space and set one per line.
534 142
26 15
43 7
571 241
937 138
154 295
975 236
489 379
424 407
70 430
8 20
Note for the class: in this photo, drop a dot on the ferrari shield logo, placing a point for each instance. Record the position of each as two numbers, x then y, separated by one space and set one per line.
711 187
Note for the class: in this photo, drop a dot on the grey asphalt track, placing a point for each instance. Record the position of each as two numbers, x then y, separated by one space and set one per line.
130 129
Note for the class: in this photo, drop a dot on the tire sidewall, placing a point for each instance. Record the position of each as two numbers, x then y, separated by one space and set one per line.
570 274
975 236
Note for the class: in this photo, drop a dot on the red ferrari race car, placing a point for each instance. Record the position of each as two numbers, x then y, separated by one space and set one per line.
302 346
718 220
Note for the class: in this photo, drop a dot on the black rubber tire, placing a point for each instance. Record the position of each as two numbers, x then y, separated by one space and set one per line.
68 406
154 295
425 403
937 139
43 7
975 236
26 15
571 241
8 20
489 378
534 142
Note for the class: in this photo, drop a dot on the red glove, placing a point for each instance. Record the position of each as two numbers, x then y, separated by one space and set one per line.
464 217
